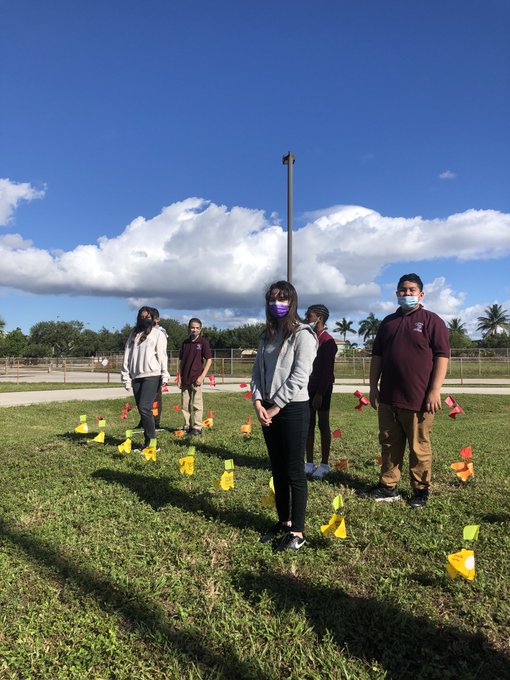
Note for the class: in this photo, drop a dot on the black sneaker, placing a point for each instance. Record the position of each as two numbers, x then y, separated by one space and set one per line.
419 498
291 542
194 432
274 532
386 494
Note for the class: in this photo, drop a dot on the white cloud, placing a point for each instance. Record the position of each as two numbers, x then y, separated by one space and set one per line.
196 255
447 174
11 193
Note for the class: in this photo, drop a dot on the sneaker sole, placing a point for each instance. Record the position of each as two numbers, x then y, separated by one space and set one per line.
391 499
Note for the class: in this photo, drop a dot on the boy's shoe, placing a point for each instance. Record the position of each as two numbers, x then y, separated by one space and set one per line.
276 530
382 493
194 432
321 471
309 468
291 542
419 498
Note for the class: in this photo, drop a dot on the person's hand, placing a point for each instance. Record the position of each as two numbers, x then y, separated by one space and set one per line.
262 415
199 381
374 397
273 411
317 402
127 387
433 401
178 381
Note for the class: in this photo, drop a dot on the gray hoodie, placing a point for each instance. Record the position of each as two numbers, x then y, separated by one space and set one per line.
289 381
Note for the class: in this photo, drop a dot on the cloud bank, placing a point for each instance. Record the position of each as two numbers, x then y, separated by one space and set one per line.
11 193
199 255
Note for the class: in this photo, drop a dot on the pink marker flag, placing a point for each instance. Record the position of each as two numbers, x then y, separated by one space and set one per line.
455 411
243 385
248 395
450 401
212 381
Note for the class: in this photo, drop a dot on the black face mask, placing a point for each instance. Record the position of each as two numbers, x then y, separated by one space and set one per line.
145 323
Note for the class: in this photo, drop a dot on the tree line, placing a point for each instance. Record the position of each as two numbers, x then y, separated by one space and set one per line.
72 339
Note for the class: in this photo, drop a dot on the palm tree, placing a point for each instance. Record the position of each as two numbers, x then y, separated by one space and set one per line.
368 327
495 317
456 326
343 327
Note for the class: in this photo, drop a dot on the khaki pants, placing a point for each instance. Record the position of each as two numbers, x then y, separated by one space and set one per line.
396 426
192 406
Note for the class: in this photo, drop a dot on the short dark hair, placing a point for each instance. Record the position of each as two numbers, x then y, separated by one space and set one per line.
320 310
194 320
414 278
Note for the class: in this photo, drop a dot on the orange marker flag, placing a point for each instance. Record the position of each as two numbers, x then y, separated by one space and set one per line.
378 460
177 407
246 428
179 433
343 464
209 421
463 470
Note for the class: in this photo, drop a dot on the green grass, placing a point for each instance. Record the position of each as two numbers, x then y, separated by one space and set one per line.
45 386
114 567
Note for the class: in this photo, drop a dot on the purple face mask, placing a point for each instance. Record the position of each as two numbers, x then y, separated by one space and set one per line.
278 309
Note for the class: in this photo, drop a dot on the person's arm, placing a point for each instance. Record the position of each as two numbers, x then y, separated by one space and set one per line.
124 372
375 374
433 398
161 346
201 377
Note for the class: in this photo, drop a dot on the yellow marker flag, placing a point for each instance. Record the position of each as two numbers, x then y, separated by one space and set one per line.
125 447
271 484
269 501
99 438
335 527
229 464
470 532
226 481
187 465
83 428
191 451
83 419
149 452
129 434
208 422
101 423
338 502
462 563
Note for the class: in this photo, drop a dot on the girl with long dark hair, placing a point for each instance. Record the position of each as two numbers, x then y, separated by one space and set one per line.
145 367
284 361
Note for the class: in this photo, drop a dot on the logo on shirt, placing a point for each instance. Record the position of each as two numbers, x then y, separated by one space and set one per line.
199 347
418 327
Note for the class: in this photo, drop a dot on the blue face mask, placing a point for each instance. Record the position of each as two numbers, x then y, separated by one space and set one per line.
408 301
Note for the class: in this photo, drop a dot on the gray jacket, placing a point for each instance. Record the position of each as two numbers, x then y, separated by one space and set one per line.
292 372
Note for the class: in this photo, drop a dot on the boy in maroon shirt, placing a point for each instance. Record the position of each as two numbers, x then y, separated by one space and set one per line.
195 350
410 358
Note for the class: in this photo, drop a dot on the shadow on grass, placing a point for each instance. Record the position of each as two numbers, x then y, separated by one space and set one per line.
148 617
406 646
158 492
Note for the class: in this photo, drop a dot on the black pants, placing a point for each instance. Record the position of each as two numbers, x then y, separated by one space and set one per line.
145 392
285 441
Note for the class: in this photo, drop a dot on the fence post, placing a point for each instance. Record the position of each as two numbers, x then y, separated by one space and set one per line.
65 371
231 361
17 372
461 372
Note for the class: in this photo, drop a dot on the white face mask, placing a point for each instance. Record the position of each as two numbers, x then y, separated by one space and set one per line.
408 301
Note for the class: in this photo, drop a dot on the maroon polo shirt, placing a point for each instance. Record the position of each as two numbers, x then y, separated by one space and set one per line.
408 345
192 357
323 375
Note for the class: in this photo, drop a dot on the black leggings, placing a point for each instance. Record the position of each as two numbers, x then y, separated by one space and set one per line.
145 392
285 441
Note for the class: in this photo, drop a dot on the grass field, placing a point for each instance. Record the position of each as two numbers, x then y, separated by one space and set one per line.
115 567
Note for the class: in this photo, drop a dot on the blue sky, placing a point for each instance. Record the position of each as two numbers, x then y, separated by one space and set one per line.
141 153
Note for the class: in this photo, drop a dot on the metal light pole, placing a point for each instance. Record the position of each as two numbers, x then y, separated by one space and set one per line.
289 159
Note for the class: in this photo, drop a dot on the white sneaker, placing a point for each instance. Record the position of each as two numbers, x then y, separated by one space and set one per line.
321 471
309 468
